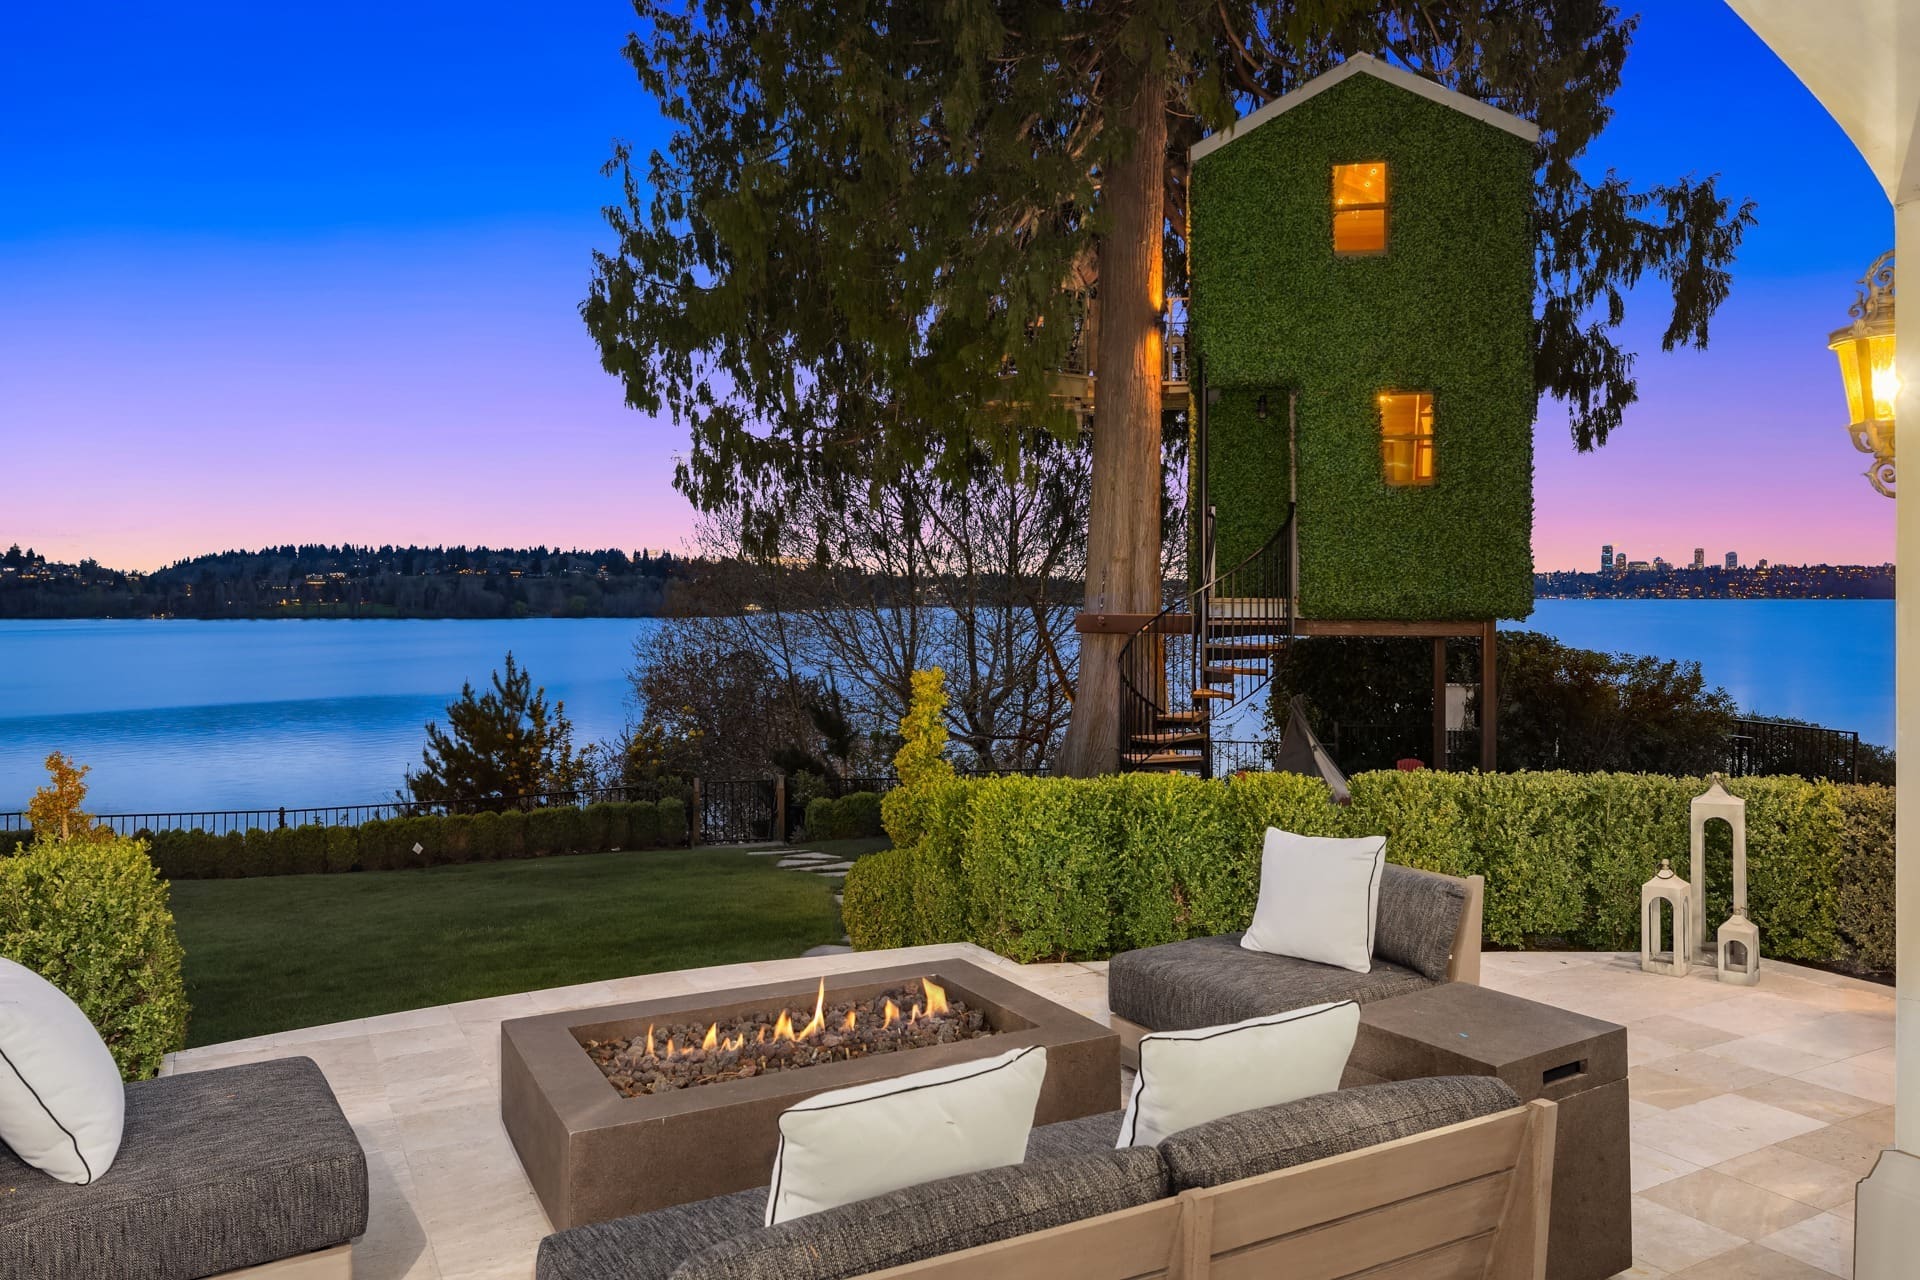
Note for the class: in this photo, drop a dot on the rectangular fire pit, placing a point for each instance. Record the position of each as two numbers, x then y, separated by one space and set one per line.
593 1154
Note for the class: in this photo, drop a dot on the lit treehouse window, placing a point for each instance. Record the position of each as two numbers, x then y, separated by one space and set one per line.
1360 208
1406 438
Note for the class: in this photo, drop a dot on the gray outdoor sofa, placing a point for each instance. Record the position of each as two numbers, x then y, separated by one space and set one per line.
247 1170
1074 1175
1427 932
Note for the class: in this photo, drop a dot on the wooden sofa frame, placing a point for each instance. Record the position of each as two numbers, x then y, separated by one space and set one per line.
1462 966
1465 1202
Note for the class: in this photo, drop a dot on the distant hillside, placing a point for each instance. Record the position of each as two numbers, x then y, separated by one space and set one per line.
357 582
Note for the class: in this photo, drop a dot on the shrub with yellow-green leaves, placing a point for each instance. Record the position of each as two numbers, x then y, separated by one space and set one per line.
1082 868
91 917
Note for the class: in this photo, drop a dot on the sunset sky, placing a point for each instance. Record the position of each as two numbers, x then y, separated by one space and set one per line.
280 274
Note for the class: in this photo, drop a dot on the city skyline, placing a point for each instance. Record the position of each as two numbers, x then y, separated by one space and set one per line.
349 311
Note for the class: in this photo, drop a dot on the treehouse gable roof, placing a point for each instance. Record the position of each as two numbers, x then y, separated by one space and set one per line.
1367 64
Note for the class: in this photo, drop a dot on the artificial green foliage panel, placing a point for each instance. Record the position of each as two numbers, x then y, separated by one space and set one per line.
1447 310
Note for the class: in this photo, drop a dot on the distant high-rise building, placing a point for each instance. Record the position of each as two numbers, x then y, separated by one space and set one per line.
1699 557
1660 564
1733 559
1761 565
1606 557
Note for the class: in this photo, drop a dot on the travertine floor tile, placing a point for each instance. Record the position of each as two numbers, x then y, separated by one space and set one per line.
1672 1241
1824 1241
1852 1076
1673 1029
1730 1204
1752 1262
1798 1177
1651 1167
1840 1146
1719 1129
1808 1099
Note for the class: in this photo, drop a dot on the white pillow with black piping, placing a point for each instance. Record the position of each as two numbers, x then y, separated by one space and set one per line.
1319 898
856 1143
1191 1077
62 1105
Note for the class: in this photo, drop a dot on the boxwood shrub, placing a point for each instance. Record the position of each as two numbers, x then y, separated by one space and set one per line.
853 816
388 844
1071 868
93 919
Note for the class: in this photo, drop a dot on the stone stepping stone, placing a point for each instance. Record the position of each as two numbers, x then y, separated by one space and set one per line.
833 868
807 863
828 949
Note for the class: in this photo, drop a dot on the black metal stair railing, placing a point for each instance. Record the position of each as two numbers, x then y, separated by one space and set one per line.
1204 654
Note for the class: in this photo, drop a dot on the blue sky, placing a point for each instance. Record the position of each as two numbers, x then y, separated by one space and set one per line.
277 274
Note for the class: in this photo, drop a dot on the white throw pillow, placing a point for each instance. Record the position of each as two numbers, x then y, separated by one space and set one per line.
1318 899
61 1101
1190 1077
853 1144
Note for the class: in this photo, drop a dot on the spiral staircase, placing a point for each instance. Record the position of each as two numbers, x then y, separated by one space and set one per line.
1204 656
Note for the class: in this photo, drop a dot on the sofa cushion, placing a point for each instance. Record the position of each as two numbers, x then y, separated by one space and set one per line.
62 1105
935 1218
1208 982
1082 1137
217 1170
1327 1124
649 1246
1419 912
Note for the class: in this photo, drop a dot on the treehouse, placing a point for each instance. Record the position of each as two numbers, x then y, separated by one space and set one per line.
1361 363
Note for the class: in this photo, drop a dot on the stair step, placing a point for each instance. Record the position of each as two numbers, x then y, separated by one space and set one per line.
1246 648
1210 693
1164 760
1170 738
1195 716
1228 672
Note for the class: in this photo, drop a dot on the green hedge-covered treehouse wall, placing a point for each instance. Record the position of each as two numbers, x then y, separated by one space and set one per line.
1447 309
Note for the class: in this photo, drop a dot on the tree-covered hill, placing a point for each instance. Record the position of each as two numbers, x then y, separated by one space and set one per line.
350 581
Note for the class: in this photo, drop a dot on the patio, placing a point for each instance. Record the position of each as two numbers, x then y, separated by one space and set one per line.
1755 1110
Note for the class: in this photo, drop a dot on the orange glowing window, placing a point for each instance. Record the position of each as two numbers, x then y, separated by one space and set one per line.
1360 208
1406 438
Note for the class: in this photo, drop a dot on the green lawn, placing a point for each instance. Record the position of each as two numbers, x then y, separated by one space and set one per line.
279 952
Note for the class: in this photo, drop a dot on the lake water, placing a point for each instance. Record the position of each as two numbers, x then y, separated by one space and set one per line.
176 715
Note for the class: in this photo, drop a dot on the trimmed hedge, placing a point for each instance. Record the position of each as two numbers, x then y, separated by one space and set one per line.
853 816
1047 868
389 844
92 918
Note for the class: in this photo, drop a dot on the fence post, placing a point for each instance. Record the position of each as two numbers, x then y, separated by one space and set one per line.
780 808
693 817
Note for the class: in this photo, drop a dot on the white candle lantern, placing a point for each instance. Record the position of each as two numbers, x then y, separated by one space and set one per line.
1715 802
1737 958
1677 894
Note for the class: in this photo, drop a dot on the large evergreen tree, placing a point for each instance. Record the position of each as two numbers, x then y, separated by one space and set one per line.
499 745
878 222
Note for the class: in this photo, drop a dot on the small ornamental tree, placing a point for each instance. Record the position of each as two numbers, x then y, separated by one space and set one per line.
921 763
54 813
505 743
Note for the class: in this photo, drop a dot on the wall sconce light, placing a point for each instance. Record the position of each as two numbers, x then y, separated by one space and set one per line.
1865 348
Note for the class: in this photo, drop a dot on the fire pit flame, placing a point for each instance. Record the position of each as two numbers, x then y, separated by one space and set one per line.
819 1008
916 1014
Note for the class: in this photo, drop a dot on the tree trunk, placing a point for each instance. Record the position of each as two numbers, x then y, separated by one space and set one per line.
1123 516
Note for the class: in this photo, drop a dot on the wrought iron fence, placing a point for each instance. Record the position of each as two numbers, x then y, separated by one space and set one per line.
737 811
1776 746
221 821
